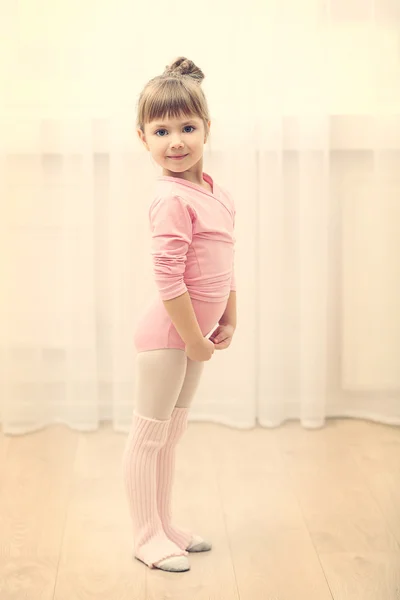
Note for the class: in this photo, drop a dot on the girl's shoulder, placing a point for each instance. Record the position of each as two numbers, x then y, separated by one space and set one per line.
172 197
173 193
172 205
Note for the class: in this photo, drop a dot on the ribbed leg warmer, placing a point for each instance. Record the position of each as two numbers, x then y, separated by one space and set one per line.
145 441
165 478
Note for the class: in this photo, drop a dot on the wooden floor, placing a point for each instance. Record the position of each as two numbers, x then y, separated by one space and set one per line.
293 514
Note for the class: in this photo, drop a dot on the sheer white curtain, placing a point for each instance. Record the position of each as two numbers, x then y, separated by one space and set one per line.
305 109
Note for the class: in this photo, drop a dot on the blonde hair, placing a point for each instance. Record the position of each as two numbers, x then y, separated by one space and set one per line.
174 93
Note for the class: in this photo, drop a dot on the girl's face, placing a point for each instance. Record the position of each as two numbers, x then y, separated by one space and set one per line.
167 138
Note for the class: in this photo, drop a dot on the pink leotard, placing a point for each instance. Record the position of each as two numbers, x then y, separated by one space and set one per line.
193 250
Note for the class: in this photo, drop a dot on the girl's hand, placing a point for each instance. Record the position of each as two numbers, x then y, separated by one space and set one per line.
201 350
222 336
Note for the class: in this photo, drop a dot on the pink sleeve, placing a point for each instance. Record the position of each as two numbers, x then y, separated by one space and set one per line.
172 229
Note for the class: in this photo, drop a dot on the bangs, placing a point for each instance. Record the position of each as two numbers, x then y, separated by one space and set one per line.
172 100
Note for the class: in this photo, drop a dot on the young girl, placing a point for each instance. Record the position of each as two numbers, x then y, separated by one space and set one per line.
192 225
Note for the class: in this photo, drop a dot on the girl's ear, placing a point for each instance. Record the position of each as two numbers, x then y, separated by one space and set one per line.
142 138
207 132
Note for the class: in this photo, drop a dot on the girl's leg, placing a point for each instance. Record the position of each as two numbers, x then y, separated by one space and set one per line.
194 371
166 461
159 378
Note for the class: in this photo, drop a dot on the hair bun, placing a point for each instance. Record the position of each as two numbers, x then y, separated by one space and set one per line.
183 66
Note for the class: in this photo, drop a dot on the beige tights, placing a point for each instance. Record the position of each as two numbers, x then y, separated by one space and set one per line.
165 379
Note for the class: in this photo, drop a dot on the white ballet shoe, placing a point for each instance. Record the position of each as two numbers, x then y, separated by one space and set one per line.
174 563
198 545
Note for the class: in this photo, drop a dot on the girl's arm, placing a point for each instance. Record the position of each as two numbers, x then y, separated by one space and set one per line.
172 229
230 316
183 317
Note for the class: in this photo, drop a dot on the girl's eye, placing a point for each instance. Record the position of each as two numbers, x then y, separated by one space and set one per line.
190 126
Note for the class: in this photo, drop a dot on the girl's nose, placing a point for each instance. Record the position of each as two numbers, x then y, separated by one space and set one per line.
177 142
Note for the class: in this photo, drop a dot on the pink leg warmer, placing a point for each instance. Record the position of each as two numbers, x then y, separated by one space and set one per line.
165 477
145 440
